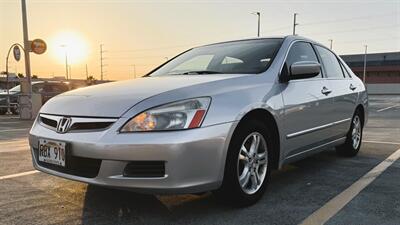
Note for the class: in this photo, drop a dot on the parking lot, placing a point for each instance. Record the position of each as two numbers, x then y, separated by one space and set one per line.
322 186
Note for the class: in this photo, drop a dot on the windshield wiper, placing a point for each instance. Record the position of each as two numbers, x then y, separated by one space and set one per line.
195 72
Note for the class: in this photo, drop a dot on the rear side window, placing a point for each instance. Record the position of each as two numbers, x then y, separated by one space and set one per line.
346 73
330 62
299 52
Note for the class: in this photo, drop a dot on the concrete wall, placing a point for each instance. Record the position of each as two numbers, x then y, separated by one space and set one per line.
383 88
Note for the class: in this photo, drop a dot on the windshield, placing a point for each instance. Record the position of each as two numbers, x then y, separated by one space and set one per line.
238 57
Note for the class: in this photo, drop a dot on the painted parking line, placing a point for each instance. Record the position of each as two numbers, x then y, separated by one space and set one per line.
8 122
11 130
382 142
8 117
25 140
16 148
393 106
323 214
19 174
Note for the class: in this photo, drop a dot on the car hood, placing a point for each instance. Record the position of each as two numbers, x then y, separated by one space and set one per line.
114 98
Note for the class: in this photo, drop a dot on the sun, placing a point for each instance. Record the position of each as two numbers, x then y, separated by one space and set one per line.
69 45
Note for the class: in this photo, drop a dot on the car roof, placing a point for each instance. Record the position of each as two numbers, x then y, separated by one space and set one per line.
286 37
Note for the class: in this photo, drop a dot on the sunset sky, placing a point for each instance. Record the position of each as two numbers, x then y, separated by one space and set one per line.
145 33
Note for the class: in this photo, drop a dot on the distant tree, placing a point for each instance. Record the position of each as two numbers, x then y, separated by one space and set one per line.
35 77
90 80
20 75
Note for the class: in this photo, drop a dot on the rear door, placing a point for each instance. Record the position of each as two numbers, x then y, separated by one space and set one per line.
344 93
306 107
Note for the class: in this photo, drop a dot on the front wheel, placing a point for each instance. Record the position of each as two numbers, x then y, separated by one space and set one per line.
354 137
248 165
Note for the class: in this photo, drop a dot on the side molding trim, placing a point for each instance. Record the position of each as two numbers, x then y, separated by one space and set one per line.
292 135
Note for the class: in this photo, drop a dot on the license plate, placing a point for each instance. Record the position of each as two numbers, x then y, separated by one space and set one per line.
52 152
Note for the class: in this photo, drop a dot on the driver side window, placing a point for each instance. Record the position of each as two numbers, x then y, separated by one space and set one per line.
299 52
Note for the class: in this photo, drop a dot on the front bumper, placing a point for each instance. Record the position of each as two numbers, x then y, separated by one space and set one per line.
194 159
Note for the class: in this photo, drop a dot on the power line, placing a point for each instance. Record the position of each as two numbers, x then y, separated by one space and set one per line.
279 28
352 30
346 19
369 40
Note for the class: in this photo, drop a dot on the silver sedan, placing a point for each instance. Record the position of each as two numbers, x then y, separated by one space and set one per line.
215 118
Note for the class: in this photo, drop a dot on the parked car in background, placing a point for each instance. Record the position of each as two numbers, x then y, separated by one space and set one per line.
47 89
216 118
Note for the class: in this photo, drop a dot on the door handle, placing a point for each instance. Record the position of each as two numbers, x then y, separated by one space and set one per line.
325 91
352 87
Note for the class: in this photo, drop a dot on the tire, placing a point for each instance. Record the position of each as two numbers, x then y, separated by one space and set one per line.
254 170
354 137
15 111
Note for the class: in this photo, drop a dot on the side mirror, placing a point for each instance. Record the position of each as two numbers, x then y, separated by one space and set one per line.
305 69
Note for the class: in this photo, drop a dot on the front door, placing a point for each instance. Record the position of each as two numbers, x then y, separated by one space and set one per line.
306 106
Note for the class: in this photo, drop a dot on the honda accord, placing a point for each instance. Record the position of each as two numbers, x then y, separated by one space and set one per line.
219 118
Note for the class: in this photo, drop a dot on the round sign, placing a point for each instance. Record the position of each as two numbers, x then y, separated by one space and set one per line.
38 46
17 53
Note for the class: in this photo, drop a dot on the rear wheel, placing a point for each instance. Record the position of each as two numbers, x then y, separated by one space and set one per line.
354 137
248 165
15 111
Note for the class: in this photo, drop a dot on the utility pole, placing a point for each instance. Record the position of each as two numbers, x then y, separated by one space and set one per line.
258 14
331 43
294 23
87 74
134 71
66 60
101 62
70 73
26 48
365 62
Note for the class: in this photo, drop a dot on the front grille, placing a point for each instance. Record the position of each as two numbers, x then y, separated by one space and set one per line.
145 169
48 122
90 126
78 124
74 165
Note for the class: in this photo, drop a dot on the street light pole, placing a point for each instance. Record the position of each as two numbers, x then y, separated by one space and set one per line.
7 79
365 62
258 14
331 43
294 23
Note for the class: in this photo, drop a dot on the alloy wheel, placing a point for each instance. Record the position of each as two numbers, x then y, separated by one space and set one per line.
252 163
356 132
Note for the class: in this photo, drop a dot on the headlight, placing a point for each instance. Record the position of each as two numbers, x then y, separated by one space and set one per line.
180 115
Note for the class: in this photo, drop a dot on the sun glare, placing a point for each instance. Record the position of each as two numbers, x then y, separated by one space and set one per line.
71 45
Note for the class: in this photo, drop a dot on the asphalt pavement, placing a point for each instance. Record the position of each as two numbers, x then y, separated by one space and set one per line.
295 193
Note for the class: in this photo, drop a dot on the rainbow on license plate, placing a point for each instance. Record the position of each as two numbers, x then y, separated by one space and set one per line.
52 152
